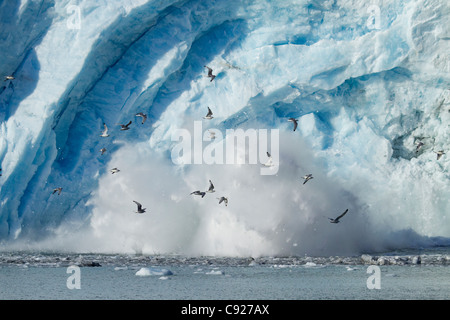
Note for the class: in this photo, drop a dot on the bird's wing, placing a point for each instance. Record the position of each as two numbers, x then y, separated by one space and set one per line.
128 124
268 154
295 125
138 205
343 214
209 112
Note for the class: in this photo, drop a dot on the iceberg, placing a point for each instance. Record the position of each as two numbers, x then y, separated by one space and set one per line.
366 82
145 272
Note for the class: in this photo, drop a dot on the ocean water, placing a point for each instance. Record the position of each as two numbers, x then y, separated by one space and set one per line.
56 276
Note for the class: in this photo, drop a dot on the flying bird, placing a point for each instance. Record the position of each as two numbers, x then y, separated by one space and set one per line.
269 162
125 126
307 178
295 121
419 145
210 74
59 189
439 154
143 115
139 207
9 78
105 131
336 220
114 170
211 187
223 199
209 114
199 193
103 150
212 134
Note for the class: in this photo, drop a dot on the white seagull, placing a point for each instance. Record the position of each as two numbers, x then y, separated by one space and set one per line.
419 145
336 220
223 199
269 162
212 134
103 150
209 114
210 75
125 126
114 170
307 178
295 121
59 189
143 115
199 193
9 78
211 187
139 207
105 131
439 154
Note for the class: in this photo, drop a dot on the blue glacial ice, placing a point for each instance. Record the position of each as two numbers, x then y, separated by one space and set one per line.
366 82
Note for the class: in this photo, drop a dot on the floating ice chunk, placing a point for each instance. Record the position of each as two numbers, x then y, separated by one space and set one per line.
120 268
215 272
144 272
310 264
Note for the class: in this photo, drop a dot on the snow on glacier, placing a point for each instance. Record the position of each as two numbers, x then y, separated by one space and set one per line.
366 82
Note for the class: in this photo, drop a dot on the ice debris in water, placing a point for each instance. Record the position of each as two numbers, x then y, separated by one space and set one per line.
144 272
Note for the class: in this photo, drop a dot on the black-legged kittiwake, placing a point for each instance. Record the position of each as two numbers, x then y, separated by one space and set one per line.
139 207
142 115
419 145
336 220
439 154
105 131
199 193
209 114
295 121
223 199
125 126
269 162
211 187
59 189
210 74
307 178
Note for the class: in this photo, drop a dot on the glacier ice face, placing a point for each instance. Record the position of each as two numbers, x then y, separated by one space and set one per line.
366 83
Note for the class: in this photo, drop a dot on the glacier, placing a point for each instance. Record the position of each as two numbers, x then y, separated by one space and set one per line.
366 81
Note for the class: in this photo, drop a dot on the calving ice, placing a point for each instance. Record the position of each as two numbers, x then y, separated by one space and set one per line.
363 83
237 146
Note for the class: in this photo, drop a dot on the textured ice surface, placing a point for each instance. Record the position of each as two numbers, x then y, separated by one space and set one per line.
366 82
